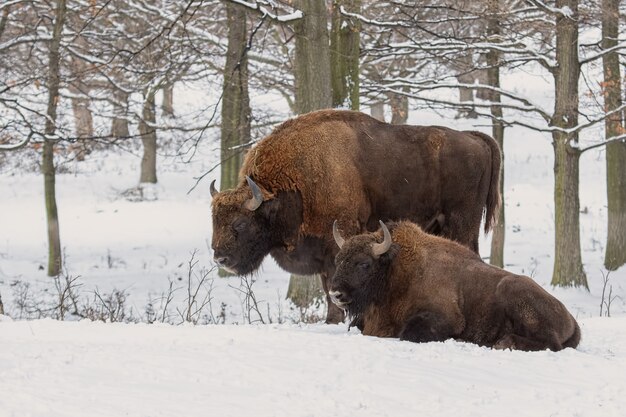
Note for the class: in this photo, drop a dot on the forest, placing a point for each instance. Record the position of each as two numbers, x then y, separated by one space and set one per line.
80 77
116 116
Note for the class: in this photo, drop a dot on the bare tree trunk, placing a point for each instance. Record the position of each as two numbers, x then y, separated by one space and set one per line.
465 75
377 111
615 255
168 100
148 138
399 109
4 19
119 126
83 119
568 267
303 290
47 166
83 122
312 62
313 92
497 129
1 305
344 55
236 112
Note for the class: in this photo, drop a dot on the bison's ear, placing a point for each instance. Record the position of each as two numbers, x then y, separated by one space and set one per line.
387 257
269 209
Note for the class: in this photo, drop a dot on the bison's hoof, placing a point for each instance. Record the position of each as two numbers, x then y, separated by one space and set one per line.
335 318
505 343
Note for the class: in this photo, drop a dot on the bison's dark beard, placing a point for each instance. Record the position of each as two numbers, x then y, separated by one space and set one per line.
248 257
249 264
372 294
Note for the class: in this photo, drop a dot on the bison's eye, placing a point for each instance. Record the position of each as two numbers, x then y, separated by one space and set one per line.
240 225
364 265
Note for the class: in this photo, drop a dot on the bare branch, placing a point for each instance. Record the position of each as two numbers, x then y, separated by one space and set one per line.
5 147
262 7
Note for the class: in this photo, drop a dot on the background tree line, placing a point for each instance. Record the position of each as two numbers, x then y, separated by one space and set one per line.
82 75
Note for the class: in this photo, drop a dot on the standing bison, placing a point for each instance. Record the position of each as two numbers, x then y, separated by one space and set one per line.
346 165
424 288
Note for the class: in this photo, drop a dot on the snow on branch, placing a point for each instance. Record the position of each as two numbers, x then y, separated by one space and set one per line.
564 11
618 47
620 138
525 106
372 21
449 45
591 122
23 39
263 7
474 104
12 147
8 4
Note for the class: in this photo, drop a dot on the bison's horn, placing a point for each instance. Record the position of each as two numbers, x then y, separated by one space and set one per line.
212 189
257 195
380 248
338 239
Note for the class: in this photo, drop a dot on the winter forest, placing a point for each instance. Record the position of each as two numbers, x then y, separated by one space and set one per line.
116 116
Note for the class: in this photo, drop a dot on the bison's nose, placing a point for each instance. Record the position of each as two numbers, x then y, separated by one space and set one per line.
338 297
221 260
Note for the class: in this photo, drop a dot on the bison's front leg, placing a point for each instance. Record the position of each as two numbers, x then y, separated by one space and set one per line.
335 314
426 326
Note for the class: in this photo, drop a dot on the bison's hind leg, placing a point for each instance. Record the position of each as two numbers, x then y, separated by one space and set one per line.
426 326
539 321
517 342
574 339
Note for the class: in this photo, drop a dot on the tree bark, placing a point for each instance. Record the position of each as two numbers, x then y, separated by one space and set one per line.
399 109
615 254
236 111
312 61
313 92
148 138
465 75
119 126
377 111
303 290
4 19
54 240
568 267
497 128
344 55
167 106
83 119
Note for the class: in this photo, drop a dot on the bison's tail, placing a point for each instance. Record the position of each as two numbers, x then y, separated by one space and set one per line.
574 339
493 196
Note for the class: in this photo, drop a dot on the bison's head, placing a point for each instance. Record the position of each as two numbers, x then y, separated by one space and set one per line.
362 265
242 227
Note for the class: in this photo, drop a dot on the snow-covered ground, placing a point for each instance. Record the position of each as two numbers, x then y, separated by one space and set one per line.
50 368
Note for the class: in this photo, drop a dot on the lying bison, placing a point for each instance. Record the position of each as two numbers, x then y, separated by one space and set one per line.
424 288
346 165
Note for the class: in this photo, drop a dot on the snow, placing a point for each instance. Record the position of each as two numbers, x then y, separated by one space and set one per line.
51 368
111 241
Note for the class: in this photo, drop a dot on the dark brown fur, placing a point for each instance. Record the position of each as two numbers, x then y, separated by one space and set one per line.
345 165
426 288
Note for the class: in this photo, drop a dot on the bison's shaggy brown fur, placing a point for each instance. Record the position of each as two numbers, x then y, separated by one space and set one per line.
322 155
426 288
345 165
